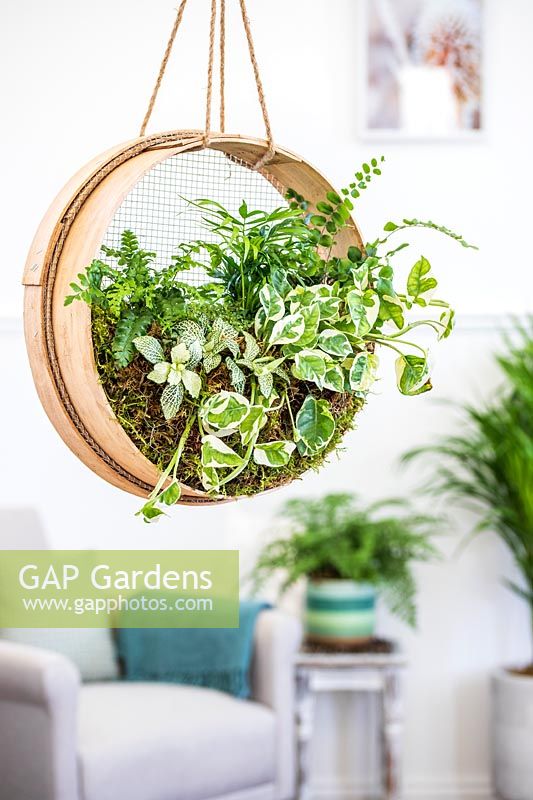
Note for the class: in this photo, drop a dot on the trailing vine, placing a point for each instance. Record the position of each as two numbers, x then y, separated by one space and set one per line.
263 368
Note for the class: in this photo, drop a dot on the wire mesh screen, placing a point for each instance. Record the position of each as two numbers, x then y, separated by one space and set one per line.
158 208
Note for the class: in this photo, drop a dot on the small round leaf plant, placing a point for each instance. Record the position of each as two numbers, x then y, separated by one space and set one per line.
245 382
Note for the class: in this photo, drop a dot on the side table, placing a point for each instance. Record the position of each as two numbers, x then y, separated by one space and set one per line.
352 672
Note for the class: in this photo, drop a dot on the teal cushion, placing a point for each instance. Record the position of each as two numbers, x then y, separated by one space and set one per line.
216 658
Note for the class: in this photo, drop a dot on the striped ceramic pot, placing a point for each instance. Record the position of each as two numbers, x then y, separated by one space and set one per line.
339 611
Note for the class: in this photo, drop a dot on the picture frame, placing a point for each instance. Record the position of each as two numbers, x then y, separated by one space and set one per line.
421 70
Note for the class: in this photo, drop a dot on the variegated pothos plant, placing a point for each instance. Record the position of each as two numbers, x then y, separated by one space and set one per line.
307 317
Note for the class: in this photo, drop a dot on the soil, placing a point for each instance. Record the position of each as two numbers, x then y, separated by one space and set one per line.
136 404
371 645
524 672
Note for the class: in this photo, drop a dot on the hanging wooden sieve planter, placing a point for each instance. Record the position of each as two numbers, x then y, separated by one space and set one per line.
133 184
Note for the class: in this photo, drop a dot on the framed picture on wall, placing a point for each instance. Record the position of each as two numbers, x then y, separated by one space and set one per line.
422 70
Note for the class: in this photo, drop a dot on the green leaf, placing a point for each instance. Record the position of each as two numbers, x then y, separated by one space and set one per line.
335 343
334 198
150 348
150 512
390 226
317 220
192 382
252 348
190 329
391 310
192 336
309 365
189 332
363 372
171 400
416 223
272 303
324 208
311 316
420 284
358 312
211 362
448 319
371 304
210 479
260 321
223 336
180 354
334 378
315 426
288 330
390 305
160 372
252 424
237 376
412 375
265 382
354 254
360 275
328 303
216 454
225 410
171 494
274 454
267 364
279 281
130 326
343 212
175 373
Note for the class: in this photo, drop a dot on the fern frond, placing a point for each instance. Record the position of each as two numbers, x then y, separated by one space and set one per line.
129 327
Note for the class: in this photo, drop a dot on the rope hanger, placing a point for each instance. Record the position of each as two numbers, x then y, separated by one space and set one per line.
269 153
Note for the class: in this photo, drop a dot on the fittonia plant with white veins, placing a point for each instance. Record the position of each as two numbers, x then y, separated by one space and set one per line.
272 358
174 373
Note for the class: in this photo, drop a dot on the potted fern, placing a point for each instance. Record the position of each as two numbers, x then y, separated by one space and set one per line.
348 555
490 466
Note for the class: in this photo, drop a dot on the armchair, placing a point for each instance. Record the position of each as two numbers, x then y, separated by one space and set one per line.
64 740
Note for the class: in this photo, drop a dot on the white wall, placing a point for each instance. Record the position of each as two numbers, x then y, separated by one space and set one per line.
76 78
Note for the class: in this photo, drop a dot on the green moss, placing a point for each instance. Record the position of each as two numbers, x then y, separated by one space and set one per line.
136 404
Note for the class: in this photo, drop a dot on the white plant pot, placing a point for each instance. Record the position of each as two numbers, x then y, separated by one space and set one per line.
512 735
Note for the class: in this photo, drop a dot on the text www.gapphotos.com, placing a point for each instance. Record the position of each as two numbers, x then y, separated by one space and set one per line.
110 605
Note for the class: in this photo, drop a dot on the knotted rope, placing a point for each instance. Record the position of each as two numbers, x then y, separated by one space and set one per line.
222 65
269 153
163 67
260 93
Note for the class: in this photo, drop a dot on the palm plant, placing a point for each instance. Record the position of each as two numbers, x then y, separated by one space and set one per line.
333 538
489 466
257 247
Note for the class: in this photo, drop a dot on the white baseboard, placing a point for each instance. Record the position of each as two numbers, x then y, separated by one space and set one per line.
423 789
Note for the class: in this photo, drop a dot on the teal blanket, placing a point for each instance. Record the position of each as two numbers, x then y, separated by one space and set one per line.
217 658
